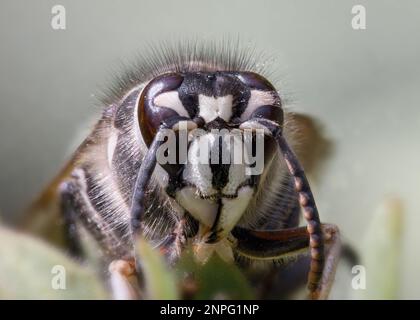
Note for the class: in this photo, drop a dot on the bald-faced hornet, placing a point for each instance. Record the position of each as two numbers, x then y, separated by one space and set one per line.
116 187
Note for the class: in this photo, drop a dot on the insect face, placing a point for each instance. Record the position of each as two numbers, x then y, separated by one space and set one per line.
193 136
216 152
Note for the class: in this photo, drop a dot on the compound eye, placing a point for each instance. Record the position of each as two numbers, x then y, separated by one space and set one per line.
255 81
264 101
159 103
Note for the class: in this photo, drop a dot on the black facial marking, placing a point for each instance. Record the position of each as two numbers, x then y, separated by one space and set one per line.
220 171
212 84
187 93
240 103
214 231
217 123
174 184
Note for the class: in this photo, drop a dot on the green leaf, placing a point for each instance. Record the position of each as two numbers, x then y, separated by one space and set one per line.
216 279
31 269
381 252
160 281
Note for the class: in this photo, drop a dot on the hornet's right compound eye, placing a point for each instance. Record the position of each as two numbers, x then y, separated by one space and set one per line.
159 102
264 101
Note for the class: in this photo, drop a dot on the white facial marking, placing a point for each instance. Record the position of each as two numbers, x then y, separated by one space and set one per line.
211 107
237 167
205 211
197 170
171 100
233 209
257 99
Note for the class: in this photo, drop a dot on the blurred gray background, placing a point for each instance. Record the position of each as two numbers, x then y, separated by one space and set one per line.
364 86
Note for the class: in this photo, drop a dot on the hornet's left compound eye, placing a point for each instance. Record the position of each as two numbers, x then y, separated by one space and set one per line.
159 103
264 101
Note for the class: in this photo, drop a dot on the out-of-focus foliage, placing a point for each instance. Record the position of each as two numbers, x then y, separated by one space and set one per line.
160 281
28 270
27 265
214 280
382 252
